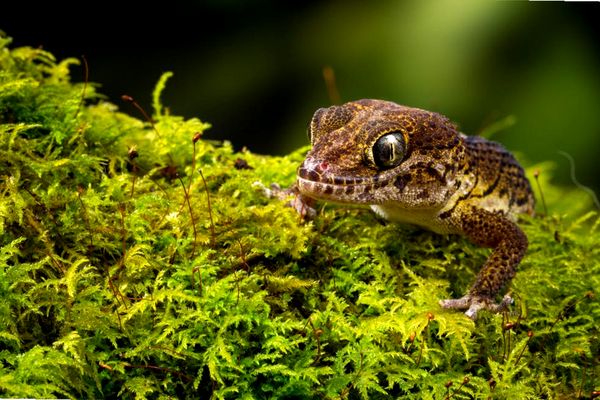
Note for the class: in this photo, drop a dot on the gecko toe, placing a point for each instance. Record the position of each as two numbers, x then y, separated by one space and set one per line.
474 303
458 304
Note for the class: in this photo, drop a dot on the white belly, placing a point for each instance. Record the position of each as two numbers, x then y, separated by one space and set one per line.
426 217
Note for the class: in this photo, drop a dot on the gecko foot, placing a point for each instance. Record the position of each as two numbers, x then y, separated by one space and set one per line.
305 206
474 303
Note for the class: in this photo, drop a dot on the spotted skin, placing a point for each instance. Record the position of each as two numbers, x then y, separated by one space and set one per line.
445 182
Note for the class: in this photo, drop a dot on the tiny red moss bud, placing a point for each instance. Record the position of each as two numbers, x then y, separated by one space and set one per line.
509 326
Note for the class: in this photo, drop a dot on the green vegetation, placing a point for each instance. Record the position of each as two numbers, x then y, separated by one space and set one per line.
138 261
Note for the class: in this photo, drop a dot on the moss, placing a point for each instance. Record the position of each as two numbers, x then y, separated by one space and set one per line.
140 262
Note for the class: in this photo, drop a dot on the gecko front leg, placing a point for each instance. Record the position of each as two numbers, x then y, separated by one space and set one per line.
496 230
304 205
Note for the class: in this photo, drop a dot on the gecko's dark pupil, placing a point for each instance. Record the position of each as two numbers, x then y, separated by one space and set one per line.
388 151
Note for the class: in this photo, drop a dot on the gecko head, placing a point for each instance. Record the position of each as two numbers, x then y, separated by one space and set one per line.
377 152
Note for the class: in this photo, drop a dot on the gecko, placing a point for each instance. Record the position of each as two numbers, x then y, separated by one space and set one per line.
414 166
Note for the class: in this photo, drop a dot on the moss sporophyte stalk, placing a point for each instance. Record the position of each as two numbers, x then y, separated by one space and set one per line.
137 260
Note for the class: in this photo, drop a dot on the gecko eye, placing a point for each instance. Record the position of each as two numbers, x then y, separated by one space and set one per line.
388 150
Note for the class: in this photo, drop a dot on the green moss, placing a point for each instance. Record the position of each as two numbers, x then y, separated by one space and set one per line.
110 287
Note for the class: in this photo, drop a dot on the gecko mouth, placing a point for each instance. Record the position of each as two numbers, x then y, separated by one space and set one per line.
350 193
317 182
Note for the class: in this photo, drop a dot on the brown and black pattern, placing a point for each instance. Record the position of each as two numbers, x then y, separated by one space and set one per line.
444 181
493 229
500 175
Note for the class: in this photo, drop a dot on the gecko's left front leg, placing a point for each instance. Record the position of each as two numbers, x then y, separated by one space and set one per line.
305 206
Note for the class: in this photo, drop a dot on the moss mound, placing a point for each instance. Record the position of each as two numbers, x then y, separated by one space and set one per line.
138 261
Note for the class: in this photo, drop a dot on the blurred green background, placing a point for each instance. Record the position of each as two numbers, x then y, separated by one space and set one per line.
254 69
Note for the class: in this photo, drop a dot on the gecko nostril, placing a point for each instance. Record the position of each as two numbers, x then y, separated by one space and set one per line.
323 166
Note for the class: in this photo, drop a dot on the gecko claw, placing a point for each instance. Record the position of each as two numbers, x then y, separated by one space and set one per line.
474 303
305 206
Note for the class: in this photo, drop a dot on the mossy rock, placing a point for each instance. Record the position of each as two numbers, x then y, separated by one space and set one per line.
137 260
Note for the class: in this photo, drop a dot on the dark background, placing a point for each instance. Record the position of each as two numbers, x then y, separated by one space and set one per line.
253 69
